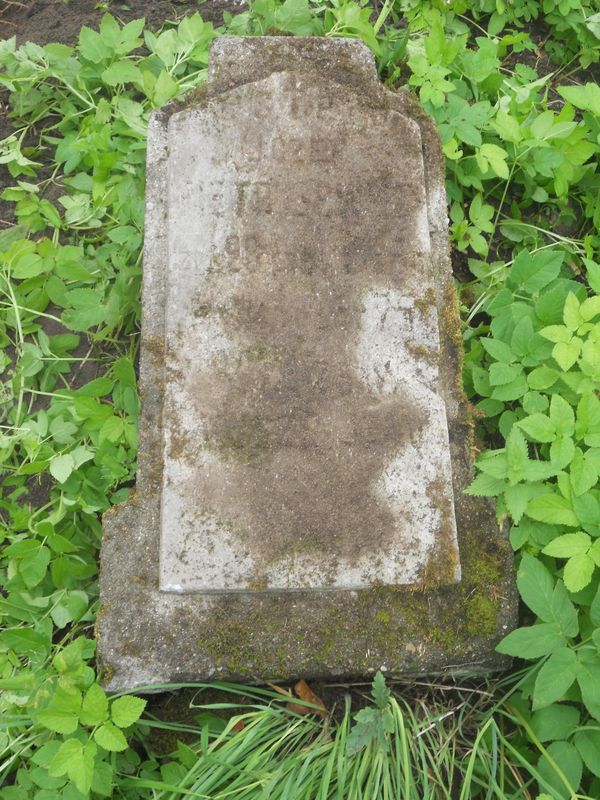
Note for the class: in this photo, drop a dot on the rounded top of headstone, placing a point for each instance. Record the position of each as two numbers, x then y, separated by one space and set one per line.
235 60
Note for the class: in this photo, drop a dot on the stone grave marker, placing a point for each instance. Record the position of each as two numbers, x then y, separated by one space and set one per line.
304 440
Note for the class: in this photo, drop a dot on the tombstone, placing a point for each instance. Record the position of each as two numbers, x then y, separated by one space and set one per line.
304 441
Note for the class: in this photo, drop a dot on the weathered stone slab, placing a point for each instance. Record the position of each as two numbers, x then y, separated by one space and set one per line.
304 441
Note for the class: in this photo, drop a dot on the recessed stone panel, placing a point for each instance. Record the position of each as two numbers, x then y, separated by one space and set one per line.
305 437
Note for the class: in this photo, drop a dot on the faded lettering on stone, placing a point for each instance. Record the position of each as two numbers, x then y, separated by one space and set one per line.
305 438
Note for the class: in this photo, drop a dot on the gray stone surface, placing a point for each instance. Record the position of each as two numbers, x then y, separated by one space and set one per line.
304 441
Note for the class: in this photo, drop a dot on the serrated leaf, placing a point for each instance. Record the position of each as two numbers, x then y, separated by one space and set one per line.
94 708
542 378
123 71
33 567
126 710
567 354
563 611
578 572
536 587
58 721
533 272
69 749
380 691
61 467
590 308
77 761
562 416
485 486
517 498
110 738
498 350
583 473
567 545
571 313
554 509
533 642
556 333
501 374
562 451
586 97
538 427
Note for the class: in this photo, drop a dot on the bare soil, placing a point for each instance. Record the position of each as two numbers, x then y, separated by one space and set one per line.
43 21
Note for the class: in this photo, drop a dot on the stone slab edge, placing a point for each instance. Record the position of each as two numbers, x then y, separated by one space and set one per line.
147 637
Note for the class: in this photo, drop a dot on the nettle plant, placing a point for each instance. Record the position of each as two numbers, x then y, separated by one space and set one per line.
537 374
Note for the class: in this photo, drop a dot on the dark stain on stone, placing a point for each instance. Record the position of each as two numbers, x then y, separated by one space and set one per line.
304 439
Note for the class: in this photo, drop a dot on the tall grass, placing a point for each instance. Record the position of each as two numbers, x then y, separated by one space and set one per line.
450 744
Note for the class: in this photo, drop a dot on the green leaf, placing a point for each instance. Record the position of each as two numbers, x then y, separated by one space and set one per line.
578 572
566 355
517 453
511 391
498 350
33 567
91 46
77 761
562 451
58 721
517 498
588 416
563 611
94 708
555 722
557 333
507 127
562 416
164 89
61 467
69 749
120 72
572 313
534 642
103 779
590 308
536 587
110 737
485 486
554 678
538 427
552 508
533 273
583 473
542 378
495 157
564 756
126 710
567 545
588 677
595 610
587 742
586 97
501 374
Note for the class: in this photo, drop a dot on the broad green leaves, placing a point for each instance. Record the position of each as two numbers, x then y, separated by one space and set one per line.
522 173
